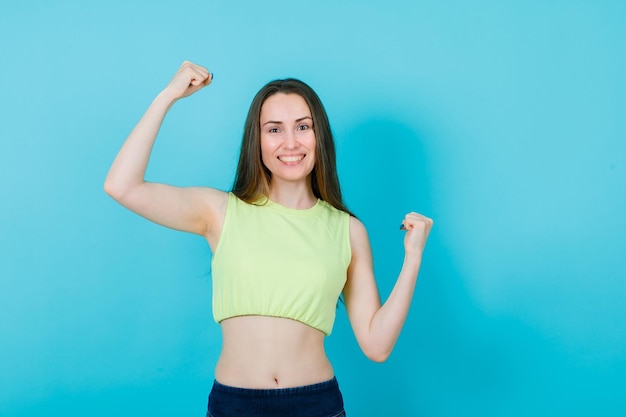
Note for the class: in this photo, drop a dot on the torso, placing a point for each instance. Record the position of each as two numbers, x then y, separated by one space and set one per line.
262 352
270 352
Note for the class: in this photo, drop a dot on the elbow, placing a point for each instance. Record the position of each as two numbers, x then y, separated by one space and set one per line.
110 189
114 190
378 355
378 358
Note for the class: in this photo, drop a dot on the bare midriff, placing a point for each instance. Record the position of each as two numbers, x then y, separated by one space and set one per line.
262 352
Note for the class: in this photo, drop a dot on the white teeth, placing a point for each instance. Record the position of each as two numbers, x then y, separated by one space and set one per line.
291 158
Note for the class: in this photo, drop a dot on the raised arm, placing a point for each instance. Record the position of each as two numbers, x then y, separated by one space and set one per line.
195 209
377 326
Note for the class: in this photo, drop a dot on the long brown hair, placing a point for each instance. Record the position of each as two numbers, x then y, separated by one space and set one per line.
252 180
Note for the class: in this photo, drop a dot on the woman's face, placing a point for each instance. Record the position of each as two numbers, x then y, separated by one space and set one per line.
287 137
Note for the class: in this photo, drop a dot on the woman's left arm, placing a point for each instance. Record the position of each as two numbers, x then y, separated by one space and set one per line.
377 326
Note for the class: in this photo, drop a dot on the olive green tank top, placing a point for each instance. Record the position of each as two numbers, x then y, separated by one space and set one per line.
276 261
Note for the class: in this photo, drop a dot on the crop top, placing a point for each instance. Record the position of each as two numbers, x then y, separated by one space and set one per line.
272 260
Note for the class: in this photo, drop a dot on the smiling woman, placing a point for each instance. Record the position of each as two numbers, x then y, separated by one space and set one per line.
285 248
287 138
280 99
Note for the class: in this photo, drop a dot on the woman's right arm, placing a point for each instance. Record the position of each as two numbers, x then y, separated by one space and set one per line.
198 210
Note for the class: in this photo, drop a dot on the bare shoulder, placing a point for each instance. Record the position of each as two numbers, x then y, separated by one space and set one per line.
213 200
216 202
358 232
359 242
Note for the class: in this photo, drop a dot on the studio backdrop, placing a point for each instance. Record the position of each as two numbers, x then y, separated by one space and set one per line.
503 121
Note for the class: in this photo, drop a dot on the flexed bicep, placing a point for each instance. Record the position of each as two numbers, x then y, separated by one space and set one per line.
196 209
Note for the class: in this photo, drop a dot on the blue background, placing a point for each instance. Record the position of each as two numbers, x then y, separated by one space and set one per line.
504 121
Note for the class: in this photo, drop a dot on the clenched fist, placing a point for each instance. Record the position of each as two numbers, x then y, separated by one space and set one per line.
188 79
417 229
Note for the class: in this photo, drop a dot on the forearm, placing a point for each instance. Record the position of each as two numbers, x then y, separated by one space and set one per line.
388 321
129 167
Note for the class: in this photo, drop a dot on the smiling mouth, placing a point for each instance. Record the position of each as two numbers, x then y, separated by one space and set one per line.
294 158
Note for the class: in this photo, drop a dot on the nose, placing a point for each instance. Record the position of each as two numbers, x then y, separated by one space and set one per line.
291 141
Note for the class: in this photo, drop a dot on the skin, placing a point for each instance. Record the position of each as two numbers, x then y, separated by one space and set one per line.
288 149
257 351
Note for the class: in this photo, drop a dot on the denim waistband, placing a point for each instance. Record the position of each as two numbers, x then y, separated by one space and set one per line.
329 385
323 399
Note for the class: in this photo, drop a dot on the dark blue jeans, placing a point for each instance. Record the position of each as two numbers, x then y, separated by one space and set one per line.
318 400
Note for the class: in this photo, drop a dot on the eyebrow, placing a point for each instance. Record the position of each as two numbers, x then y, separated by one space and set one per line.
280 123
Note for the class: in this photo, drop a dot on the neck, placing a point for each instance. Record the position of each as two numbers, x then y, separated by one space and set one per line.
293 195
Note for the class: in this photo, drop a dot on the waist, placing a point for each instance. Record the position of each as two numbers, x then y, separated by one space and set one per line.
270 353
329 385
321 399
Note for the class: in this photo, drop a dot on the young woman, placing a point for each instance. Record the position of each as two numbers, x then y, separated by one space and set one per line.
285 247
